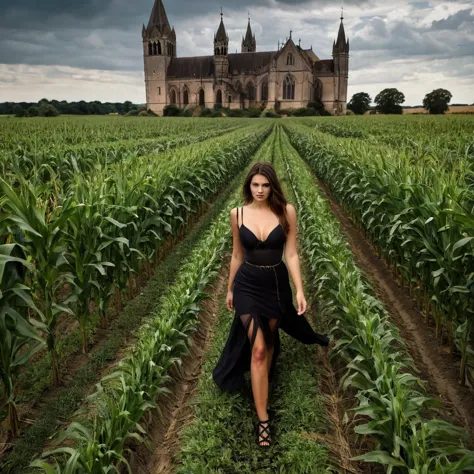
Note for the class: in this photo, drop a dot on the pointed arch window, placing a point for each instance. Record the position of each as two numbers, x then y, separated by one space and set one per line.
173 97
159 47
202 98
265 90
318 90
290 60
250 91
155 51
186 97
219 97
150 49
289 88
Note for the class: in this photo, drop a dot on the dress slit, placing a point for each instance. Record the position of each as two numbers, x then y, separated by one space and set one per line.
261 323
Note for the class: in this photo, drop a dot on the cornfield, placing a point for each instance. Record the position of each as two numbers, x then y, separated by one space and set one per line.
91 208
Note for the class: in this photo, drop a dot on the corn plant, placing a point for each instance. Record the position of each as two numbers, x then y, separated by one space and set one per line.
378 367
43 227
123 397
418 215
19 337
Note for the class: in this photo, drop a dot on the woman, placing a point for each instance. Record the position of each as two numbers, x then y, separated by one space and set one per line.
259 290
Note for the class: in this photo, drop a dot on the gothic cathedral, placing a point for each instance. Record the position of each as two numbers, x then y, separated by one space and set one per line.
287 78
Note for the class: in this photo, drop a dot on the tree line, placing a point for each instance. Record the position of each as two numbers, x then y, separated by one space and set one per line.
53 108
389 101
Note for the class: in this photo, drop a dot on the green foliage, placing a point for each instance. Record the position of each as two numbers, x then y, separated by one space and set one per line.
378 367
221 436
436 102
271 114
206 112
124 396
47 110
19 339
33 111
19 111
73 108
360 103
388 101
171 111
254 112
127 324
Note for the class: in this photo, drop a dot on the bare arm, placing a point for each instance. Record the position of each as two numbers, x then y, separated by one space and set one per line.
292 259
237 249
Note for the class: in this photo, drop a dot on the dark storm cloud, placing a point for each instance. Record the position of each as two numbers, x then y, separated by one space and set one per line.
106 34
453 22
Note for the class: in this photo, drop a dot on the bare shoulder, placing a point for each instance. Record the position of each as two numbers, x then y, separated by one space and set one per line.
290 209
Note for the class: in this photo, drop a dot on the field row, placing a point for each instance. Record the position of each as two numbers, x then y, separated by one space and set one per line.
70 248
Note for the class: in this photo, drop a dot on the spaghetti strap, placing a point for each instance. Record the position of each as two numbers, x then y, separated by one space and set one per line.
238 217
242 208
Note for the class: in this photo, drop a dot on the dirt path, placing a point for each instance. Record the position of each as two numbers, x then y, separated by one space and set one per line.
436 366
163 431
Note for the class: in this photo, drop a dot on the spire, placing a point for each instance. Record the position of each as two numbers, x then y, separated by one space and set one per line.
249 44
248 35
341 45
221 33
159 19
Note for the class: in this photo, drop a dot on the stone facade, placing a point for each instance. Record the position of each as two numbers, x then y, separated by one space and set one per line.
287 78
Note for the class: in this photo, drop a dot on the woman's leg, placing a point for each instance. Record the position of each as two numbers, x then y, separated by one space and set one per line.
259 372
260 365
272 323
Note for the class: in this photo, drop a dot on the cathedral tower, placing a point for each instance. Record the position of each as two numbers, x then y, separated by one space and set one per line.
340 53
249 44
221 47
159 46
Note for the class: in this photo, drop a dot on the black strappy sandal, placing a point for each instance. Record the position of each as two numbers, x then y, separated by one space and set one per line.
263 436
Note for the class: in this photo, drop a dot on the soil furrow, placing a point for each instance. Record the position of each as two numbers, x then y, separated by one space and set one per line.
176 409
436 366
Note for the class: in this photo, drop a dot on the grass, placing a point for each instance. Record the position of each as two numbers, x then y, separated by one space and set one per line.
221 438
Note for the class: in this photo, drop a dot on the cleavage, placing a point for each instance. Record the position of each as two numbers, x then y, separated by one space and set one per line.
255 235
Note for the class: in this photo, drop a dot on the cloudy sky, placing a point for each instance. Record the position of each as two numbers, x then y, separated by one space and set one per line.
92 50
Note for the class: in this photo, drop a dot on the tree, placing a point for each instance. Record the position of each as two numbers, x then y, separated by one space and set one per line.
360 103
436 102
33 111
48 110
19 111
388 101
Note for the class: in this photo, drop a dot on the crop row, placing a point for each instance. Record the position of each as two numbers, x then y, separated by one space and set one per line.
447 141
61 163
38 134
221 437
116 410
98 239
377 364
420 219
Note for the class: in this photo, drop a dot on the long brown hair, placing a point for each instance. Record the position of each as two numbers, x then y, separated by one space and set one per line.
276 199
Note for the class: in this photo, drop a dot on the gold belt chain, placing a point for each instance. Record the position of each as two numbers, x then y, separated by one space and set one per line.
264 266
276 277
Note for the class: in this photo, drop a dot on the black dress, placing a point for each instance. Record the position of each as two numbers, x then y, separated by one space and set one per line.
261 292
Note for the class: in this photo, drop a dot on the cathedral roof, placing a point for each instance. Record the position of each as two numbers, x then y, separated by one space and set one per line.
159 19
243 62
199 66
239 63
324 66
203 66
